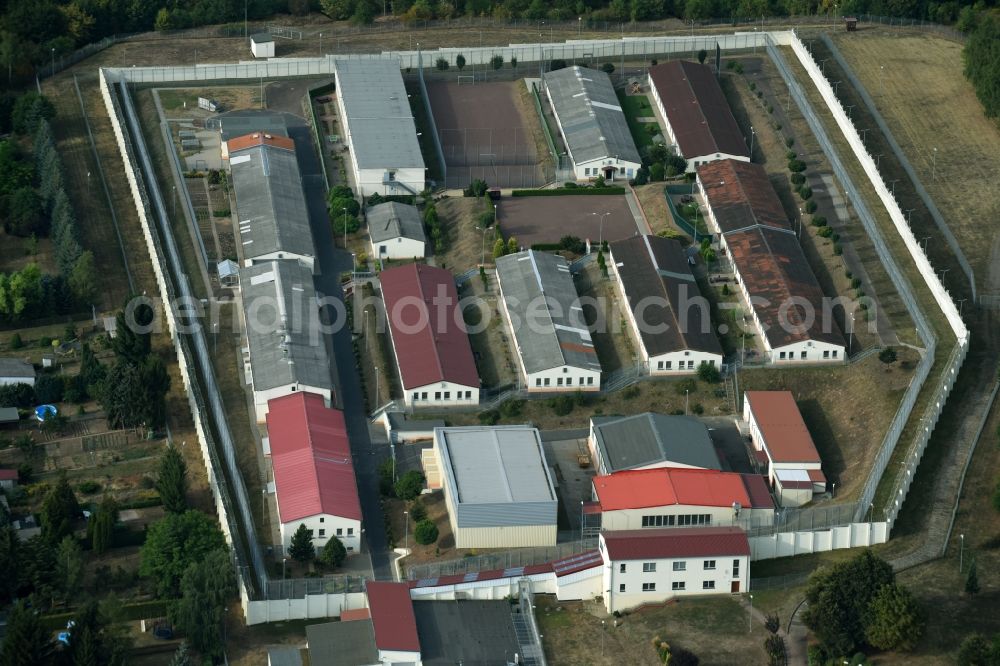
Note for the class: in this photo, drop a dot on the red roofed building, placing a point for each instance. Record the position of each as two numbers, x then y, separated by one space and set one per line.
650 566
673 497
699 122
8 479
314 482
433 354
394 622
777 430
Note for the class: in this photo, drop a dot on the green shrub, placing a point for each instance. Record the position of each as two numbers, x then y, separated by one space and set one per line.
89 487
425 533
837 249
409 485
825 232
811 207
561 405
819 221
698 409
797 179
512 408
791 155
15 341
709 373
753 86
687 385
790 141
796 166
805 192
418 511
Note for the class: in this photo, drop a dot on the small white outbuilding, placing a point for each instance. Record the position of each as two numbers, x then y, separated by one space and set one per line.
262 45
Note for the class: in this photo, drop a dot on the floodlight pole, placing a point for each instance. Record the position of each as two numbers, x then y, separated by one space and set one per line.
753 135
934 166
345 227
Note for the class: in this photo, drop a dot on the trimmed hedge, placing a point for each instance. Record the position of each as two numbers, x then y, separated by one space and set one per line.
134 611
546 247
568 191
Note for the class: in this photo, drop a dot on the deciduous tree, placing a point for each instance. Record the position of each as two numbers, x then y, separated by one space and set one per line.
409 485
172 544
894 621
206 587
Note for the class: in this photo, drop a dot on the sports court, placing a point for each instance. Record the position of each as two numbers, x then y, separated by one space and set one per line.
486 132
535 220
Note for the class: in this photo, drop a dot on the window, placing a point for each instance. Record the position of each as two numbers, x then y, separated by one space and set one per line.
468 395
709 565
826 353
340 531
669 364
423 395
416 396
690 365
447 395
559 381
711 362
649 587
538 381
381 249
659 365
835 353
546 381
621 170
322 533
350 531
322 519
621 568
565 370
569 381
708 584
680 566
437 395
649 567
802 355
590 381
782 356
621 587
736 568
677 586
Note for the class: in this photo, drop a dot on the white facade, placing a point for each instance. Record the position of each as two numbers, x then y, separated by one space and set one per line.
387 181
632 583
610 168
399 657
693 161
511 536
263 48
7 381
261 398
440 394
714 516
398 248
562 378
325 526
808 351
303 259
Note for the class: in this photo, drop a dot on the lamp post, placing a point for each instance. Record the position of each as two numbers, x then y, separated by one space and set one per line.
53 72
864 135
283 561
750 617
878 159
850 339
376 387
753 135
893 186
579 25
923 241
849 108
961 551
685 402
909 212
835 85
354 267
321 44
406 530
345 227
944 271
600 239
934 166
822 66
602 637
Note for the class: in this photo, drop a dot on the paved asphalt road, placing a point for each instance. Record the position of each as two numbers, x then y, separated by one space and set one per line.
331 263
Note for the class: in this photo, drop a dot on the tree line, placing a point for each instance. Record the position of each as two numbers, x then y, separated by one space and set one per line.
34 204
982 61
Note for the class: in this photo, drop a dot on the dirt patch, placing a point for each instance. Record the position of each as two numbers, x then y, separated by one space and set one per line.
715 629
490 345
468 243
546 219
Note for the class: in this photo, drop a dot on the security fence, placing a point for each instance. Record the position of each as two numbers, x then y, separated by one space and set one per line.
956 356
298 588
511 559
900 156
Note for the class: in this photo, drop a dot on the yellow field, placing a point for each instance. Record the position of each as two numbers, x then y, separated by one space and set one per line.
928 104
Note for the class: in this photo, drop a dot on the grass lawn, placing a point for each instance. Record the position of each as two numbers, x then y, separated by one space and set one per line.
933 113
715 629
638 106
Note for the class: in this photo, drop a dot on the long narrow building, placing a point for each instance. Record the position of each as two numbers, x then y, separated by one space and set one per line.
592 123
787 305
666 312
375 117
286 352
699 122
554 348
270 204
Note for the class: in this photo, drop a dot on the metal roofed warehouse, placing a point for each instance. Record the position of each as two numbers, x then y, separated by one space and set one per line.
281 315
273 219
375 115
541 305
592 123
650 440
497 486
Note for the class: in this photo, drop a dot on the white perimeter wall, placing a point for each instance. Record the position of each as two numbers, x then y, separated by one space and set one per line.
787 544
312 607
